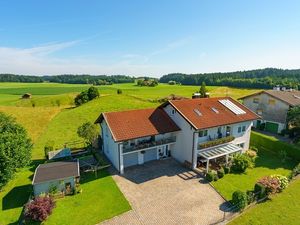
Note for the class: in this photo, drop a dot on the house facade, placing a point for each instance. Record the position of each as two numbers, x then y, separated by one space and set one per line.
187 130
272 106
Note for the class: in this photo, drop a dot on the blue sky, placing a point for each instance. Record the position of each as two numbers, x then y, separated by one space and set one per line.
147 37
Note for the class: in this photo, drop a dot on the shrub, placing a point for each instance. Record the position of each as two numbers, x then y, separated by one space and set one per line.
221 173
39 208
239 199
296 170
172 82
241 162
283 181
119 91
211 175
253 148
48 148
252 154
226 169
260 190
250 197
271 184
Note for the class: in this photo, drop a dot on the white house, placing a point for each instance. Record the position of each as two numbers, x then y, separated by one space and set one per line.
272 106
187 130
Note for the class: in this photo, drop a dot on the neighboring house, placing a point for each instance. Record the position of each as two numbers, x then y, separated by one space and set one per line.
61 176
177 128
272 106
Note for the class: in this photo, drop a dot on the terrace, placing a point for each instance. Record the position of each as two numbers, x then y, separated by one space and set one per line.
146 144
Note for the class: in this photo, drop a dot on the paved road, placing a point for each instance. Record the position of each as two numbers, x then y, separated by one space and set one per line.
163 192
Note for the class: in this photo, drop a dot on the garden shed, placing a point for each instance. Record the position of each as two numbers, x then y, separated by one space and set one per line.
26 96
60 177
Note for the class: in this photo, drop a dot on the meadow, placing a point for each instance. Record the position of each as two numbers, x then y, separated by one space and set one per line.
54 117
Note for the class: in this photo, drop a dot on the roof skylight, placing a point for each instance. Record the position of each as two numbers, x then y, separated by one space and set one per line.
215 110
198 112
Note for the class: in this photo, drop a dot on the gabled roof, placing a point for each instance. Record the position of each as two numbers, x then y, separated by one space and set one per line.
56 171
204 113
292 98
133 124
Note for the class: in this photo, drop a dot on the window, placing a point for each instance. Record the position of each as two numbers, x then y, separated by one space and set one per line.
256 100
203 133
272 102
173 111
259 111
239 129
244 128
241 145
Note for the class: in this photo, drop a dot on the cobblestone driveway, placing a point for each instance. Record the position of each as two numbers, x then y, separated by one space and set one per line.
163 192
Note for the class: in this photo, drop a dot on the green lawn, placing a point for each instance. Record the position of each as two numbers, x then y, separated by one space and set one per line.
283 208
101 199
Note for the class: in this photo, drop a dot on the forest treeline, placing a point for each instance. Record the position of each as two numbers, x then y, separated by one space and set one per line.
261 78
68 79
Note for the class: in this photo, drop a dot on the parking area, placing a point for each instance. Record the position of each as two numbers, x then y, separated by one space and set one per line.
164 192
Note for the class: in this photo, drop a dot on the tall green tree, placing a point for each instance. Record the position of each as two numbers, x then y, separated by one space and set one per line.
293 119
203 90
93 93
89 132
15 148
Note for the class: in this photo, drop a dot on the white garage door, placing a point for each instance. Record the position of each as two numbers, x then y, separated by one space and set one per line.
130 159
150 154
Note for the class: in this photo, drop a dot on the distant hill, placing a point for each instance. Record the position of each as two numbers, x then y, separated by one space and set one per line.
261 78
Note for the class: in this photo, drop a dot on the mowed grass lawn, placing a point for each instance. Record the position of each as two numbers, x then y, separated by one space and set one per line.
101 199
283 208
267 163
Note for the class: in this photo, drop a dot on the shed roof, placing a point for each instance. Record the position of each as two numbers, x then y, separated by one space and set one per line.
132 124
56 171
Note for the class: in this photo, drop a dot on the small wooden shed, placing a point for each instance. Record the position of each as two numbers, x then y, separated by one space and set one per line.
26 96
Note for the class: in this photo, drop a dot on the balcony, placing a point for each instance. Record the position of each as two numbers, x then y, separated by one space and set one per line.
215 142
148 144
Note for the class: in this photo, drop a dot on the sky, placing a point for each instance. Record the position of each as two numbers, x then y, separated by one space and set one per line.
149 38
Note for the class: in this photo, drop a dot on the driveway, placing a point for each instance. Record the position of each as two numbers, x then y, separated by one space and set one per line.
163 192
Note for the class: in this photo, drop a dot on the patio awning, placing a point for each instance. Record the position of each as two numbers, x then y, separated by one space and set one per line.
219 151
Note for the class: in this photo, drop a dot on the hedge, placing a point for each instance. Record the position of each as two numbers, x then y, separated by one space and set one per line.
260 140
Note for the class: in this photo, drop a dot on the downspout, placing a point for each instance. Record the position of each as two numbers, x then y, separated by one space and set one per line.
119 157
193 150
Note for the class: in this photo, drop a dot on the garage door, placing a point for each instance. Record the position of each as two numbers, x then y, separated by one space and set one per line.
272 127
130 159
150 154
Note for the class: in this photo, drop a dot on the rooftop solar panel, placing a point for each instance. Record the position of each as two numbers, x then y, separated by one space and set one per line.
232 107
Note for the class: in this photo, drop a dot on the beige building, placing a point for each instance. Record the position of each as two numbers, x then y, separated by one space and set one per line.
272 106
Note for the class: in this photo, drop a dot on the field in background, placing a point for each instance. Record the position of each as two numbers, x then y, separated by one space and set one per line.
53 117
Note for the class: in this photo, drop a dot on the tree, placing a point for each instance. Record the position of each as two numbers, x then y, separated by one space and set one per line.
203 90
93 93
293 118
81 98
15 148
39 208
88 131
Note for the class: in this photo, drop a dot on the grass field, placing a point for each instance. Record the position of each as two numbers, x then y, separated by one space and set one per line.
48 121
283 208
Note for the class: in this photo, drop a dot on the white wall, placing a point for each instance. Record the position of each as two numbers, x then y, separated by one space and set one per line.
110 147
243 137
182 149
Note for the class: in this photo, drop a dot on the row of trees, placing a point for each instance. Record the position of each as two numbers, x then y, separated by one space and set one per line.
86 96
69 79
15 148
262 78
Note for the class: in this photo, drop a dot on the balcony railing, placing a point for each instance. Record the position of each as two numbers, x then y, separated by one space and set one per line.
216 142
148 144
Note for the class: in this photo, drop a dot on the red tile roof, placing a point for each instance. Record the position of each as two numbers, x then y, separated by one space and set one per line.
132 124
209 118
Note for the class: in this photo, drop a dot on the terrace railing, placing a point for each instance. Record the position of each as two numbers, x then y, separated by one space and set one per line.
149 144
215 142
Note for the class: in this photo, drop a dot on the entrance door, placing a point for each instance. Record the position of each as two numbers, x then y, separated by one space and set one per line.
163 152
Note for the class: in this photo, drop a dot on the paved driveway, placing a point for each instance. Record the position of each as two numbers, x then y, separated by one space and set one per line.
163 192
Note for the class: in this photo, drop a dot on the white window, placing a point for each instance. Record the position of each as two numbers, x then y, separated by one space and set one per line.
203 133
173 111
255 100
